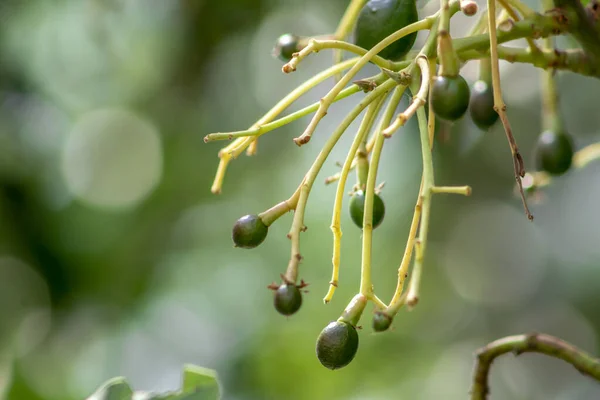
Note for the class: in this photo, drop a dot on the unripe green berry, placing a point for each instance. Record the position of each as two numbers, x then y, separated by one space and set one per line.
286 46
381 321
357 209
481 106
450 97
379 19
554 152
337 345
249 231
288 299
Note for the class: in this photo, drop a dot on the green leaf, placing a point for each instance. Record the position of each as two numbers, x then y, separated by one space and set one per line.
113 389
199 383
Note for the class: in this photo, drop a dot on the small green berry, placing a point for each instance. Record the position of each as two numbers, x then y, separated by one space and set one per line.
380 18
249 231
381 321
450 97
337 345
286 46
357 209
481 106
554 152
288 299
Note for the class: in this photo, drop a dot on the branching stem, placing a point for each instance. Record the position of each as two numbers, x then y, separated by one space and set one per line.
532 343
363 131
306 185
366 286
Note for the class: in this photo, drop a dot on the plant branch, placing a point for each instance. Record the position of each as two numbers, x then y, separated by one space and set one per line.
363 130
582 27
291 273
531 343
500 107
574 60
366 287
399 298
226 154
326 101
509 10
314 46
412 296
418 100
345 27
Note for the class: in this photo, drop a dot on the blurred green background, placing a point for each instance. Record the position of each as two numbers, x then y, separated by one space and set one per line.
115 258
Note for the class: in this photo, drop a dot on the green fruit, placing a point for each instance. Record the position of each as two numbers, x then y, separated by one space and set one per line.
450 97
288 299
357 209
286 46
554 152
337 345
381 321
380 18
481 106
249 231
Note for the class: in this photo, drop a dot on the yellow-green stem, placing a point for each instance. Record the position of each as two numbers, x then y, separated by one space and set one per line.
366 286
428 182
326 101
306 185
243 143
345 27
336 229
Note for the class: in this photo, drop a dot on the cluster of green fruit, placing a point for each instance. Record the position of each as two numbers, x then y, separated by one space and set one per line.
338 342
450 98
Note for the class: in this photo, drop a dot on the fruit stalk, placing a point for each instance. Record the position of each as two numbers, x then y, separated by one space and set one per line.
242 143
500 107
291 273
328 99
511 12
419 99
551 119
345 27
366 287
315 45
365 126
412 296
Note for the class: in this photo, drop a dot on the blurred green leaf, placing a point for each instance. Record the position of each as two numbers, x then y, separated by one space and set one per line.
201 381
114 389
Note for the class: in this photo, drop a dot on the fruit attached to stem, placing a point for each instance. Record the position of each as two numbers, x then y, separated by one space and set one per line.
286 46
380 18
249 231
288 299
357 209
337 344
481 105
450 97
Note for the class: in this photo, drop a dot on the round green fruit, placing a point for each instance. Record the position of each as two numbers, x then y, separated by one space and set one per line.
380 18
249 231
286 46
450 97
481 106
337 345
288 299
381 321
357 209
554 152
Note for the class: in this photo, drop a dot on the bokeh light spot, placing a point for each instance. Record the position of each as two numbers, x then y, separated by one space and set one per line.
112 159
